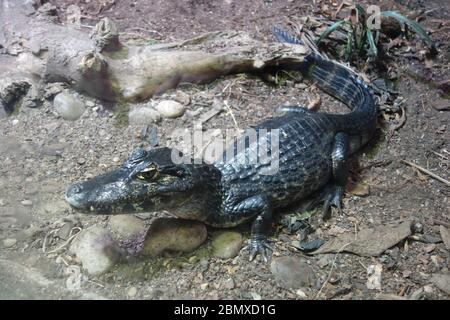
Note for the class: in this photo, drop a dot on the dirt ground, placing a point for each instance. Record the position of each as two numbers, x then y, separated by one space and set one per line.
41 154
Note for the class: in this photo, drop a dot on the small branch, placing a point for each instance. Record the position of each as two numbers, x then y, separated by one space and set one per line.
441 223
435 176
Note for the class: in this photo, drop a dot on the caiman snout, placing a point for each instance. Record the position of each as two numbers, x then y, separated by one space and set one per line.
73 195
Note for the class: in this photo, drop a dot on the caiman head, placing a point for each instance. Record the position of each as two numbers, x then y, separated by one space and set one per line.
146 181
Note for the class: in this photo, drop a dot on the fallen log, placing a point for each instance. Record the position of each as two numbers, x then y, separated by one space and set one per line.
35 48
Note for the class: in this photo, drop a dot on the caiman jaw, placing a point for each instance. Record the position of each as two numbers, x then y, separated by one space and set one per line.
134 187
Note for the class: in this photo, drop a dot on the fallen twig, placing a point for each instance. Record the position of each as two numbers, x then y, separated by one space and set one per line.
401 121
431 174
441 223
67 242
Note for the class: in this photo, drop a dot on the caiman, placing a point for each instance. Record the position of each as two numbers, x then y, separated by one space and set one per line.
314 148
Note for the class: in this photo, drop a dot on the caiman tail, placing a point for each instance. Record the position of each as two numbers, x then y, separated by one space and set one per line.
344 84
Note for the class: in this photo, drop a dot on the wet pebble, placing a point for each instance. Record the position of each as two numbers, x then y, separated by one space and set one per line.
143 116
227 244
10 242
173 234
96 249
69 107
182 98
132 292
170 109
292 272
229 284
27 203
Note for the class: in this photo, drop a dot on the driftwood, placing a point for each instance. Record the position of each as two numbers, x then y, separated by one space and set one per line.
35 50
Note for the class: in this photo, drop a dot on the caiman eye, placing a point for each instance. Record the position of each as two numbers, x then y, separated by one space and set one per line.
148 173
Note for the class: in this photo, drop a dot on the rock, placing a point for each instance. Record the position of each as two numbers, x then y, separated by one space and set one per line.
132 292
301 294
69 107
368 242
430 248
255 295
52 89
417 227
96 250
445 235
292 272
27 203
182 98
173 234
126 226
170 109
90 104
64 231
227 244
374 280
442 281
10 242
143 116
417 294
11 92
81 161
323 261
229 284
32 99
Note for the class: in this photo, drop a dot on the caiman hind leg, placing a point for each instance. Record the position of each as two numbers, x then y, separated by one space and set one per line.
260 207
334 191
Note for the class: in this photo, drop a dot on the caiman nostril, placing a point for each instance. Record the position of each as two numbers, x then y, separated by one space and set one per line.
75 189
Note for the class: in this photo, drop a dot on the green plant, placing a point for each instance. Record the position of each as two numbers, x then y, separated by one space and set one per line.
362 38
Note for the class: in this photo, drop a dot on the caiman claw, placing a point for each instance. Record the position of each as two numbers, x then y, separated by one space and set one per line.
260 245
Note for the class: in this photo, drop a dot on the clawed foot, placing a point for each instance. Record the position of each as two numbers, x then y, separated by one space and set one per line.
260 245
333 199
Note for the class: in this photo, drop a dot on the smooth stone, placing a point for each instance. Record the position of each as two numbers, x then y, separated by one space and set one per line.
292 272
69 107
27 203
170 109
10 242
143 116
126 226
96 249
172 234
182 98
227 244
132 292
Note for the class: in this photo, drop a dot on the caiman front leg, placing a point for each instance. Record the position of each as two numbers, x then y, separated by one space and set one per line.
260 206
335 190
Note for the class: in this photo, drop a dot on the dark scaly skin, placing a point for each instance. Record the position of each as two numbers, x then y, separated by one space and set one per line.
313 152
